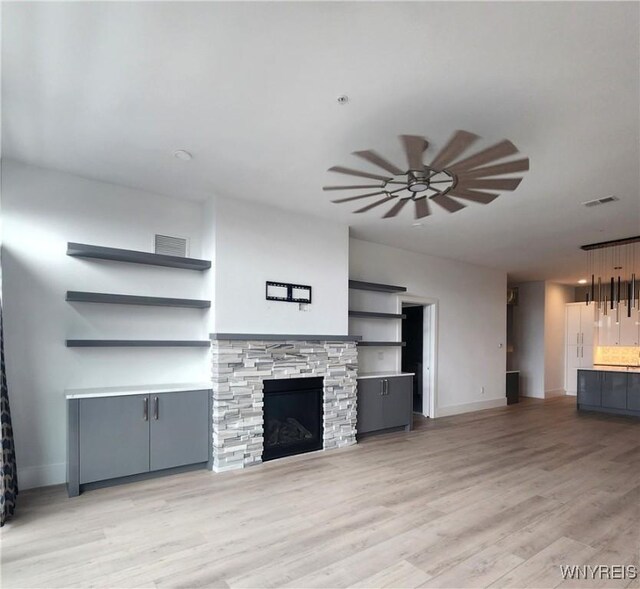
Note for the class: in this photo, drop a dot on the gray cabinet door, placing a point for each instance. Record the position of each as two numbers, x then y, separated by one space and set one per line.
396 404
589 387
633 391
114 437
179 428
614 390
369 405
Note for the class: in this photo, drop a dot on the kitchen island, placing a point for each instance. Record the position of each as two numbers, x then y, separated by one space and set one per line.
610 389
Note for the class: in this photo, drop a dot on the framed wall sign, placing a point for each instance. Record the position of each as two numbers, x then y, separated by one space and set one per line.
288 293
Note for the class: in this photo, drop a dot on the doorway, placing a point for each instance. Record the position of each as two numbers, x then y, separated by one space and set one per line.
418 331
412 353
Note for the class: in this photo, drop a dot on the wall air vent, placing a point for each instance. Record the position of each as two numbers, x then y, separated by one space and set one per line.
600 201
171 246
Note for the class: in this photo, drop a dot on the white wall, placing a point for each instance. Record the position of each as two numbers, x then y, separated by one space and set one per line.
556 298
256 243
539 337
471 319
42 210
528 335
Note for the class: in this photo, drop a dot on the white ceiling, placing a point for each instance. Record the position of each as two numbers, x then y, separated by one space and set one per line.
110 90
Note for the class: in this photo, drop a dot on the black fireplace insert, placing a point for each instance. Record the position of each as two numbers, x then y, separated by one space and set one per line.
292 416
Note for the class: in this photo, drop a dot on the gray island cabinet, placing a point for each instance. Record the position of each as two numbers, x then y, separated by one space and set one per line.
384 402
113 436
609 391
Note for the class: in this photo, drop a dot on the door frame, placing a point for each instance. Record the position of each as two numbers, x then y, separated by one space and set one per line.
429 347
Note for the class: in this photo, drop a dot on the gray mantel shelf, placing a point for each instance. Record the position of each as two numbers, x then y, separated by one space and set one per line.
83 250
375 286
279 337
119 299
376 315
135 343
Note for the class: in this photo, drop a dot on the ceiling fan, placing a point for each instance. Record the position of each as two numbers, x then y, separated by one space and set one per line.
445 177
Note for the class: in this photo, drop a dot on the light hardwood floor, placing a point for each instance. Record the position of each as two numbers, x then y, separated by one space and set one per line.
496 498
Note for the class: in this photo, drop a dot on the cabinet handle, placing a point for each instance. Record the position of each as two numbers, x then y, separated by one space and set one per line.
145 409
156 408
381 387
386 386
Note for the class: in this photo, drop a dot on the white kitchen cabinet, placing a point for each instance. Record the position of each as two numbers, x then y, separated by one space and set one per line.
580 324
629 329
608 329
579 343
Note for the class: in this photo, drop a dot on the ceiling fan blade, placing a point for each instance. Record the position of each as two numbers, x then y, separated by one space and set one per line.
447 203
414 147
493 183
373 204
351 172
351 187
495 152
350 198
396 208
422 208
376 159
473 195
499 169
459 142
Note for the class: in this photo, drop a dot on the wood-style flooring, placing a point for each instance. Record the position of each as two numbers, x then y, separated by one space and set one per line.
497 498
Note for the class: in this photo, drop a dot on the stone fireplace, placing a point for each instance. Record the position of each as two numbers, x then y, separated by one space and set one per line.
240 364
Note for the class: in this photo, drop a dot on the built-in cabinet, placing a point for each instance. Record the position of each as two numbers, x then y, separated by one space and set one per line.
619 328
384 403
609 391
114 436
579 342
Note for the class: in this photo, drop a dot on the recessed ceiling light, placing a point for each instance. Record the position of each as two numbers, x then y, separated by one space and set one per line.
417 224
582 281
343 99
182 154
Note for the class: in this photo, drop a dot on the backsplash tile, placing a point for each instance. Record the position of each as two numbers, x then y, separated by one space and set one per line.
618 355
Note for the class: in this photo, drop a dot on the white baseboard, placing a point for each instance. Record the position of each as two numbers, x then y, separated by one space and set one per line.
468 407
571 394
30 477
554 393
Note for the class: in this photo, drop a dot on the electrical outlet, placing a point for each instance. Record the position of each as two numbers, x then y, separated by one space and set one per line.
380 355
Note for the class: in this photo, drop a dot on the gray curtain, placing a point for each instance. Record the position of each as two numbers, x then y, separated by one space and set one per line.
8 475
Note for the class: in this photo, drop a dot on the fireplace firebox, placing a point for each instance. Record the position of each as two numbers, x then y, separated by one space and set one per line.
292 416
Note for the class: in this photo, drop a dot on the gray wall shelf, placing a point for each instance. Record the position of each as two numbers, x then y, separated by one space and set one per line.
118 299
374 315
135 343
374 286
83 250
383 344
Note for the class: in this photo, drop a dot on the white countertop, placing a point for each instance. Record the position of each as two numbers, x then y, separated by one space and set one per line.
389 374
145 389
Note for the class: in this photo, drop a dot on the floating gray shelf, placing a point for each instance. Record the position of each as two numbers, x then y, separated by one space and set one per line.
136 343
374 315
82 250
118 299
359 285
383 344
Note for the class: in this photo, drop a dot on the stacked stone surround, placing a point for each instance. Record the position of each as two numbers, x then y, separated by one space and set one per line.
238 370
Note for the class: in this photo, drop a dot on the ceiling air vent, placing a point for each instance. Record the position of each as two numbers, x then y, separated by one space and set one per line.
171 246
600 201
